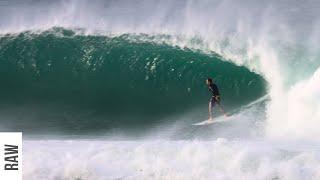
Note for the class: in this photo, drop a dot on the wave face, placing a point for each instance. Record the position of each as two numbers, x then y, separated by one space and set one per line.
116 81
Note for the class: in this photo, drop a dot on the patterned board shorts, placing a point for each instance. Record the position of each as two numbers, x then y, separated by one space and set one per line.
214 101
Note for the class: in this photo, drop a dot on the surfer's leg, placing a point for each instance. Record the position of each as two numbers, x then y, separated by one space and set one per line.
210 114
222 110
211 105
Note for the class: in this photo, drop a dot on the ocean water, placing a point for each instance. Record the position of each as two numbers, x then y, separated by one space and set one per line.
109 89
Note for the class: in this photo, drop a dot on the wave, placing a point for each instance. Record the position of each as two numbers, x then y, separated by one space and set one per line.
277 40
136 68
122 80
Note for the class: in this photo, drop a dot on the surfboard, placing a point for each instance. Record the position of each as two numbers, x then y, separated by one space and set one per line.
207 122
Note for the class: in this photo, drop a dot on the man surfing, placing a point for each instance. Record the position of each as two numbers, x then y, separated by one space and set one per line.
215 98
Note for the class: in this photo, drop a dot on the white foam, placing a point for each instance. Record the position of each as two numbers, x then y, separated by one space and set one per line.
219 159
301 117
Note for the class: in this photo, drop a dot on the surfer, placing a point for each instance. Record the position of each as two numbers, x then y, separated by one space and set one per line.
215 99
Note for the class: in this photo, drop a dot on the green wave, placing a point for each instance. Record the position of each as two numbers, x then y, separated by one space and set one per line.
115 78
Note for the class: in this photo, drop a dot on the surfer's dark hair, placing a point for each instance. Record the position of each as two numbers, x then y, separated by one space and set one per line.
210 80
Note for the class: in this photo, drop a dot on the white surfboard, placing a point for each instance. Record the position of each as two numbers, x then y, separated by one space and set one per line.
207 122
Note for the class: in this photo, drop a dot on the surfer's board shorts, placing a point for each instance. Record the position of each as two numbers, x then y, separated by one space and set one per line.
213 101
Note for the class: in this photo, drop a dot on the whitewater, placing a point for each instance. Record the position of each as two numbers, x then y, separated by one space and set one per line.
265 54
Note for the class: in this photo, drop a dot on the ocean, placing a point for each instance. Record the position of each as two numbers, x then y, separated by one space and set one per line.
108 89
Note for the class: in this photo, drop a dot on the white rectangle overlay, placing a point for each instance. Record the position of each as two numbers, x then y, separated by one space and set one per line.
10 155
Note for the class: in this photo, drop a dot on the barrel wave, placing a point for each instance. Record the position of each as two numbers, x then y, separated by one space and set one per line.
105 89
75 82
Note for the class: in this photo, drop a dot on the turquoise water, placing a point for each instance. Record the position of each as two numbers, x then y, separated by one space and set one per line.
80 83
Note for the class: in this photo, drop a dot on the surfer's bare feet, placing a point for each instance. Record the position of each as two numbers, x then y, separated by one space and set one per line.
210 119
